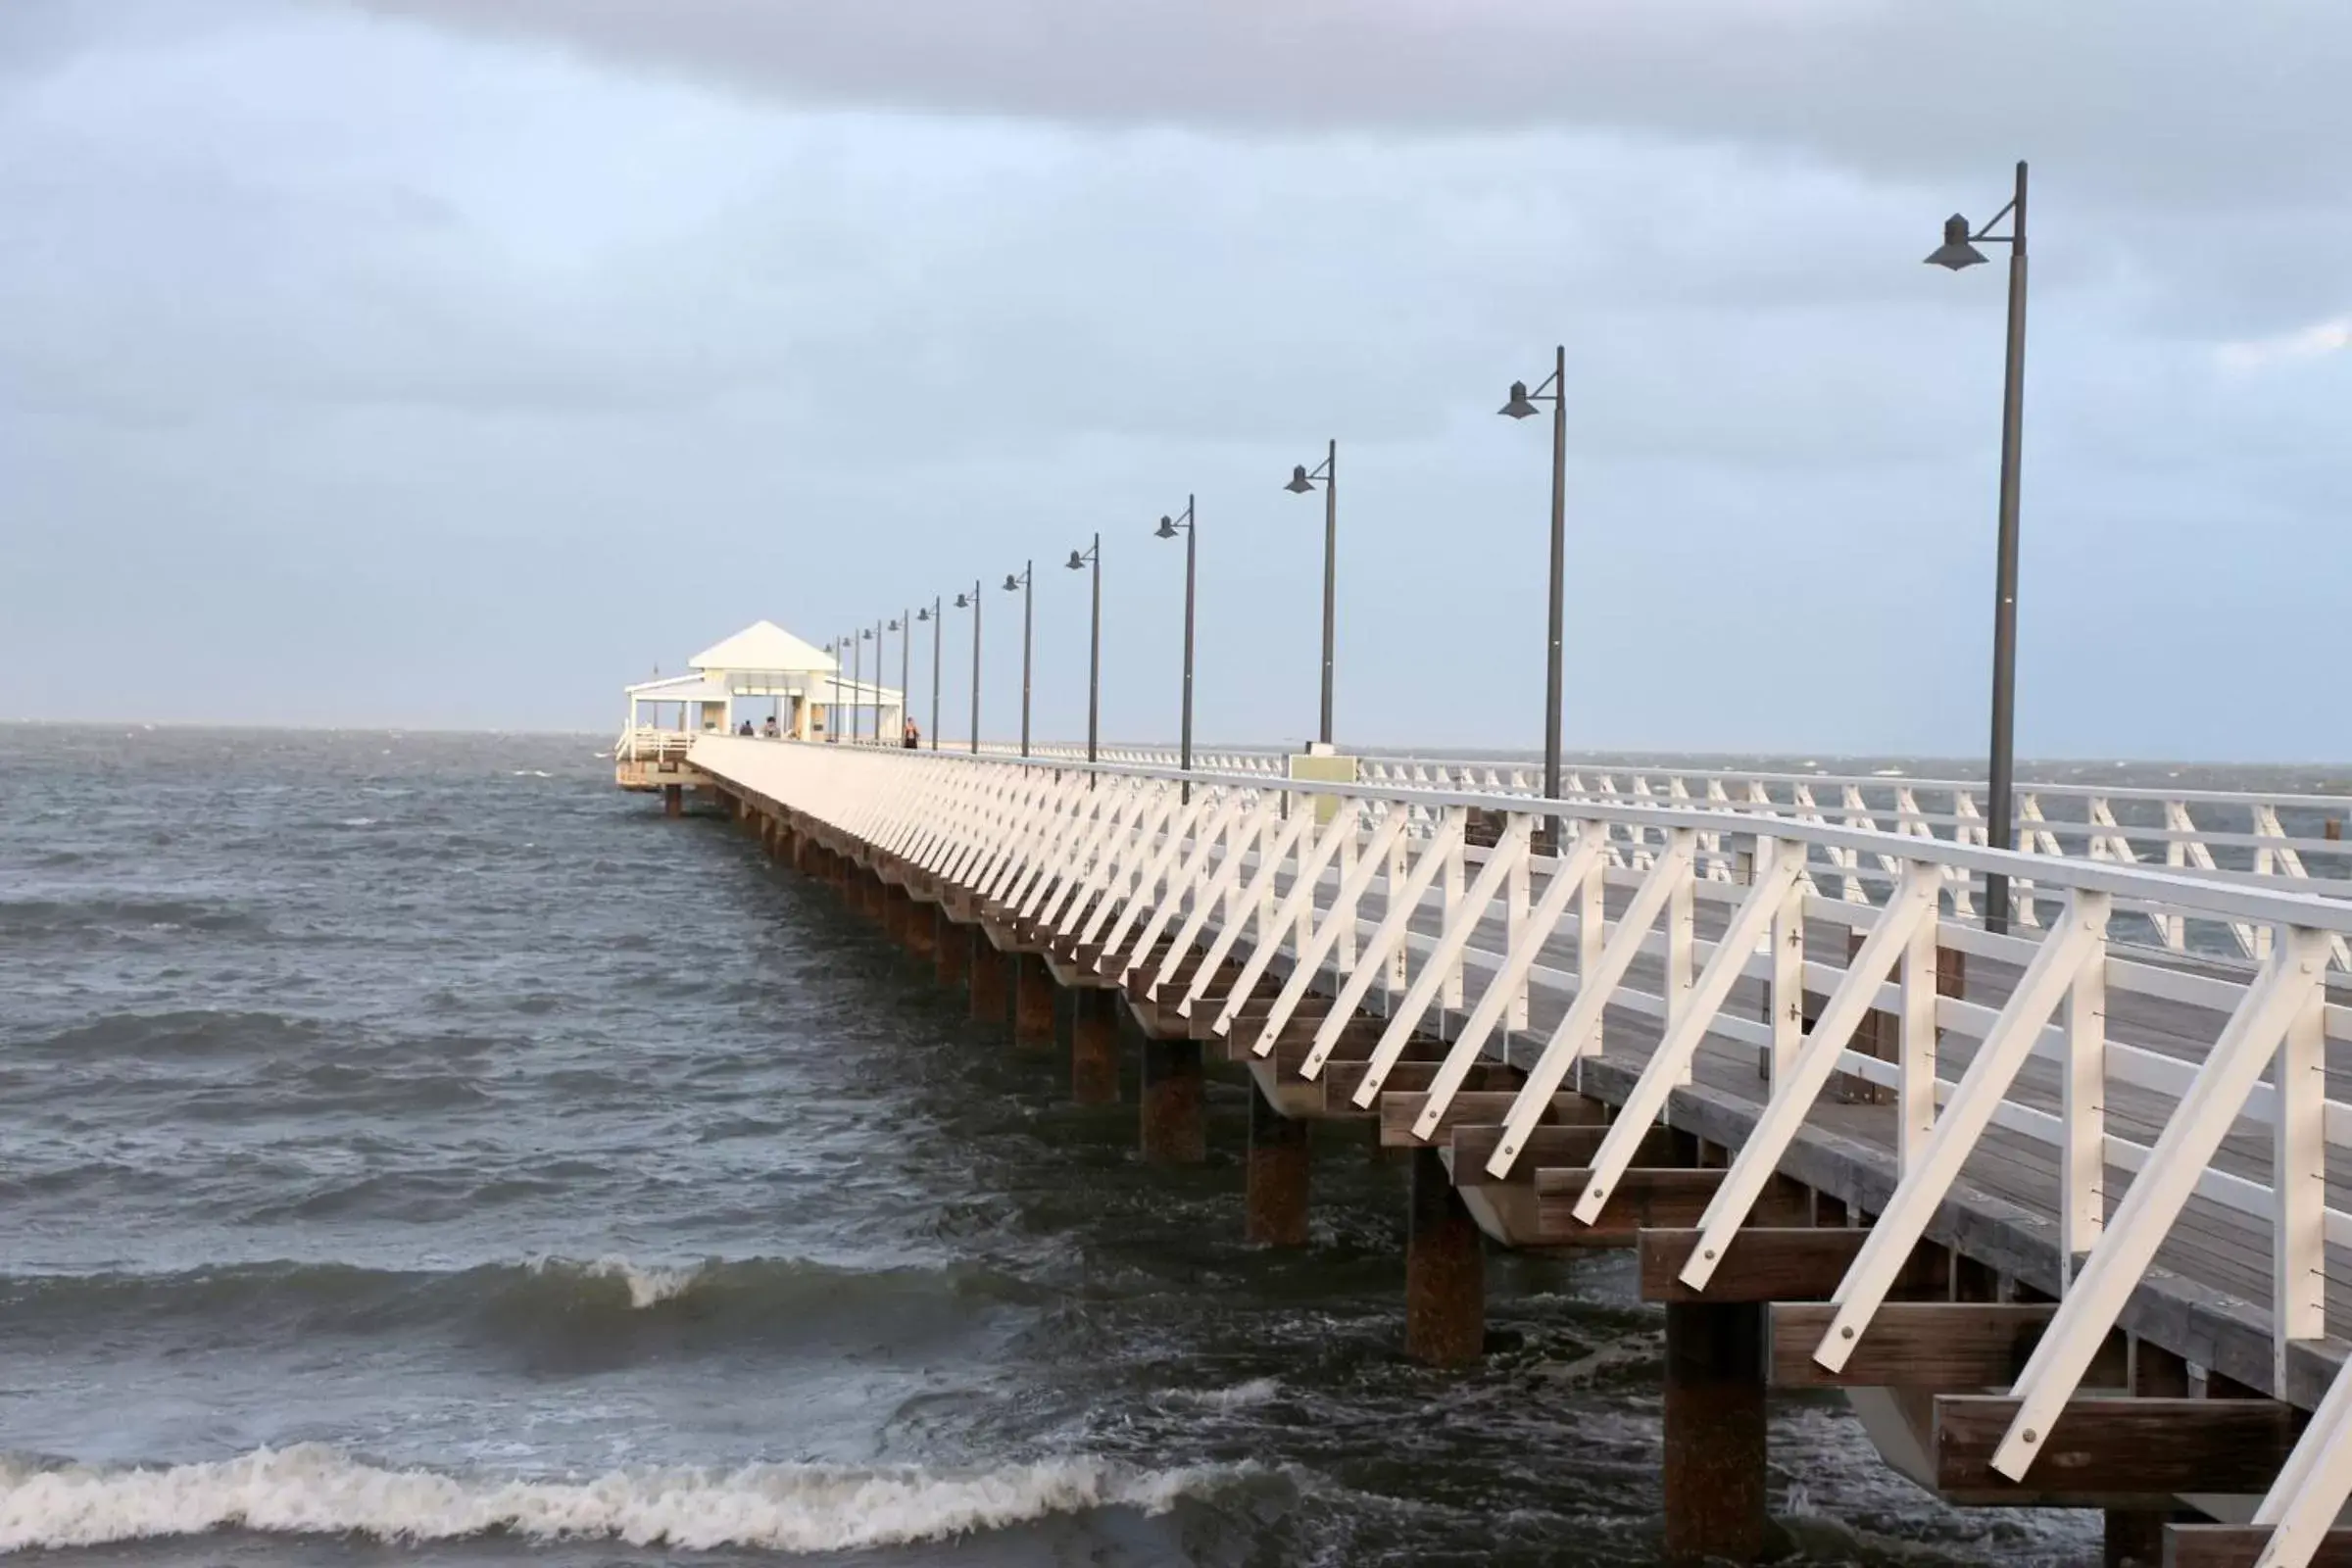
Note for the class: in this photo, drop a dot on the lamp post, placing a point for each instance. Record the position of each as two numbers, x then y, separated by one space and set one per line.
1024 583
840 730
1169 527
857 683
971 601
874 635
1078 562
903 625
930 613
1521 405
1959 250
1302 480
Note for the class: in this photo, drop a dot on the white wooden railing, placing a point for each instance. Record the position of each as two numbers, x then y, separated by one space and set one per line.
1326 883
2289 842
643 743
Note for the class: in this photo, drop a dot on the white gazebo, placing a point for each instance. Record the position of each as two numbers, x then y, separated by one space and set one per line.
764 672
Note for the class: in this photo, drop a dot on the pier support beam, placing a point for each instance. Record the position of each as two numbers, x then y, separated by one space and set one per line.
951 949
1175 1121
2134 1538
919 931
991 984
673 800
1715 1432
1094 1041
1280 1157
1444 1270
1033 991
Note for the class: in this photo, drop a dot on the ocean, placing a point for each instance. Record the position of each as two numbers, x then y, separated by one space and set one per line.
412 1149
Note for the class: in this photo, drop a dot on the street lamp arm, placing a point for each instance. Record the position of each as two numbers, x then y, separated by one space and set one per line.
1986 235
1547 390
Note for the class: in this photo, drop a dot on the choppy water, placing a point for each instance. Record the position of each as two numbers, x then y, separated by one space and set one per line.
412 1148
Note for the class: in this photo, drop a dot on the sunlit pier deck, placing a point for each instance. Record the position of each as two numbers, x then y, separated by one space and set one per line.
2054 1204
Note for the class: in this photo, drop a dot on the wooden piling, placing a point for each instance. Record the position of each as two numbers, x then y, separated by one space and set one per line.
1279 1157
919 931
951 949
1033 991
1175 1122
2134 1538
1094 1042
1444 1270
1715 1432
990 979
673 800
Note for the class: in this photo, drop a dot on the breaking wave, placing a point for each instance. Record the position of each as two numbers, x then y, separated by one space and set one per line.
1240 1397
646 1286
541 1301
316 1489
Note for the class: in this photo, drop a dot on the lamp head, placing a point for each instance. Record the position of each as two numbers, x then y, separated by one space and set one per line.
1955 252
923 613
1299 483
1012 583
893 624
1166 529
1077 561
963 601
1520 406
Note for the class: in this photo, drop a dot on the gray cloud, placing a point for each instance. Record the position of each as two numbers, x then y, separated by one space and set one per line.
436 350
2196 140
2167 101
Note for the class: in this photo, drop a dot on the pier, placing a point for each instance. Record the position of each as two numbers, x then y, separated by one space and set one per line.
2052 1205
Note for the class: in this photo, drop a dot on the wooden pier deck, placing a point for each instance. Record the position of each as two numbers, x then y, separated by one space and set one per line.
2105 1295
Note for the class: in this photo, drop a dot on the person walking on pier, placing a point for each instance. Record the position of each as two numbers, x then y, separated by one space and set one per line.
767 729
914 737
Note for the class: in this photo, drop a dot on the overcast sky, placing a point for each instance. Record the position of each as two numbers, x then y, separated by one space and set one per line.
367 362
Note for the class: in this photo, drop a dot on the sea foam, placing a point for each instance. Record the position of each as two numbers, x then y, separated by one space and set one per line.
316 1489
1240 1397
648 1285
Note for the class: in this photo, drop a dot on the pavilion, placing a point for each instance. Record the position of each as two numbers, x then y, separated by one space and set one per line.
763 673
